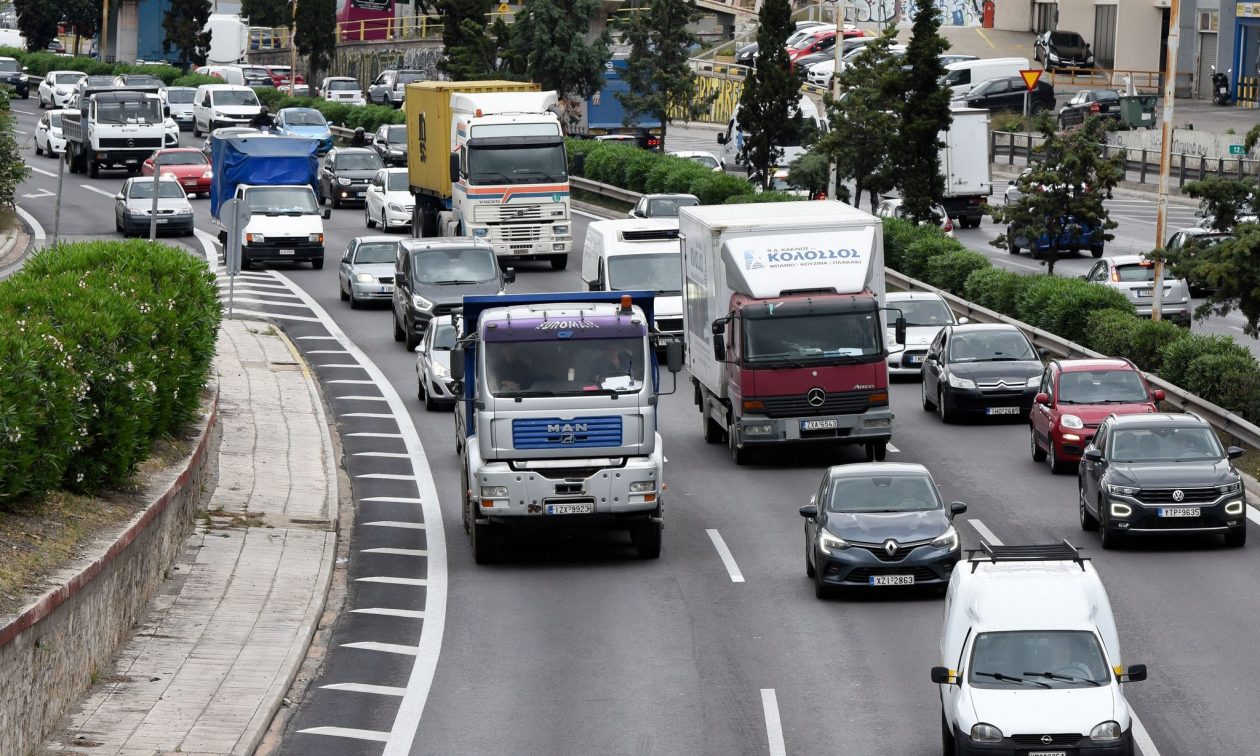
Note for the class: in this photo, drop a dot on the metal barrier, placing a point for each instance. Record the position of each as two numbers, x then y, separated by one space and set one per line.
1110 77
604 190
366 30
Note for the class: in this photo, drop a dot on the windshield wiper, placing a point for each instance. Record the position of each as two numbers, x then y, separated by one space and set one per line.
1009 678
454 282
1057 676
525 394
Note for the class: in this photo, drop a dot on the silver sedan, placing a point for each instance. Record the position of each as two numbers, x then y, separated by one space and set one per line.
367 270
433 364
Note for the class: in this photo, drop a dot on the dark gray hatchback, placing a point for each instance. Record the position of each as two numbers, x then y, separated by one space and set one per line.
879 524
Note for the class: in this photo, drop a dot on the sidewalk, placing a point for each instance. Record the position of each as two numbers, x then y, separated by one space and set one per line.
211 662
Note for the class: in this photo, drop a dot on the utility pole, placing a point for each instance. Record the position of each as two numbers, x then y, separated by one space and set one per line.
293 53
1165 153
104 43
833 188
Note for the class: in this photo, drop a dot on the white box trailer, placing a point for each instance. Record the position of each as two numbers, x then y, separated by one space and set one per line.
966 166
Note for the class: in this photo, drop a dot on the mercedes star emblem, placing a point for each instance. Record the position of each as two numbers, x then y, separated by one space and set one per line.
816 397
1047 739
131 143
890 546
1178 495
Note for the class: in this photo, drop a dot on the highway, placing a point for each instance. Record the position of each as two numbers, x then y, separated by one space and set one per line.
573 646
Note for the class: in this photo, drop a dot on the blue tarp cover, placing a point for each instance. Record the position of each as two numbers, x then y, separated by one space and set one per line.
260 160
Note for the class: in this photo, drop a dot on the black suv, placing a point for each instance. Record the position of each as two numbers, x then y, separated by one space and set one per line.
1007 93
432 276
390 142
345 174
13 74
1160 473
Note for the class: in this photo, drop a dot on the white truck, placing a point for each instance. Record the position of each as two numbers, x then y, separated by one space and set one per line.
783 314
966 167
229 38
114 127
487 159
638 254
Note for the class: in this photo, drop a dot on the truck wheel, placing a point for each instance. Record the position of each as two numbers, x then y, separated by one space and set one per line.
876 451
713 432
466 510
484 544
647 539
739 455
94 169
559 262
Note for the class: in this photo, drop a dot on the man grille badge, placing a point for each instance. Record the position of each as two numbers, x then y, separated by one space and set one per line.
816 397
1178 495
890 546
1046 739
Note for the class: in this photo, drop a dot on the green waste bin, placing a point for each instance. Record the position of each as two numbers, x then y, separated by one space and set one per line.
1138 111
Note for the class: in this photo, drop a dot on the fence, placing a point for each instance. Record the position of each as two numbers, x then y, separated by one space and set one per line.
365 30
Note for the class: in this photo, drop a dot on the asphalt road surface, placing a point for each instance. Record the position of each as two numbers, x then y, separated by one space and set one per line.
573 646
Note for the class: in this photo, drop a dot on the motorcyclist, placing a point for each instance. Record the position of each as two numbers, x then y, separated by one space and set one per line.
359 139
263 121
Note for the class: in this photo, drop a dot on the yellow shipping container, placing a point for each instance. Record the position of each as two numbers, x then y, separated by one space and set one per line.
430 131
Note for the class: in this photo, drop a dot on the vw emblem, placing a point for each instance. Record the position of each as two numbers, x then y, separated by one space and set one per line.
890 546
816 397
1178 495
1046 739
131 143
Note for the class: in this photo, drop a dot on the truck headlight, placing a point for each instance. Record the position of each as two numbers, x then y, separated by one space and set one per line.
827 542
494 492
1122 490
1071 421
343 181
983 732
420 303
947 540
643 486
316 238
481 233
560 230
365 278
1107 731
961 383
255 238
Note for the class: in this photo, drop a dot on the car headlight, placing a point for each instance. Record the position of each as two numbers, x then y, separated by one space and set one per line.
1071 421
1106 731
137 211
395 207
208 175
983 732
184 211
420 303
481 233
1033 382
343 181
643 486
315 238
494 492
961 383
365 278
1230 488
1112 488
828 543
947 540
1234 507
560 230
441 371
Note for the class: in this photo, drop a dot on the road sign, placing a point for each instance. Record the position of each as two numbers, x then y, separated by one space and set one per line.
503 8
1237 149
1031 76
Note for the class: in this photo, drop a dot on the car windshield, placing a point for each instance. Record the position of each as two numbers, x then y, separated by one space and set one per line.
404 78
396 134
129 111
256 73
54 120
807 42
281 199
668 207
659 273
780 184
143 189
443 335
9 66
305 118
1101 387
342 85
882 493
1135 272
191 157
396 181
922 312
1067 39
565 366
180 96
358 161
517 164
1165 444
1038 659
708 161
466 265
67 78
244 97
376 252
990 346
802 338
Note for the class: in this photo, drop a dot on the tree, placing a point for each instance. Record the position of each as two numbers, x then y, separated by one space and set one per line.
660 79
864 122
548 41
769 105
1224 200
85 17
316 34
1229 269
925 114
473 48
38 21
271 13
1062 191
810 172
183 24
13 168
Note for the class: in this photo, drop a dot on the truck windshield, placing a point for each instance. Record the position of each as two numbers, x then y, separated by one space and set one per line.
564 366
276 200
1037 659
130 111
810 337
516 164
9 66
659 273
453 266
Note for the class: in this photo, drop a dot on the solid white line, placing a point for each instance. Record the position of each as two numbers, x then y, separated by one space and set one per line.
774 726
23 112
328 351
583 213
393 455
207 246
392 580
360 398
49 174
893 449
386 476
320 338
396 524
347 732
390 500
1253 515
36 229
357 381
376 435
397 552
404 613
1142 738
731 568
985 533
380 690
101 192
392 648
258 283
429 646
276 315
368 414
342 365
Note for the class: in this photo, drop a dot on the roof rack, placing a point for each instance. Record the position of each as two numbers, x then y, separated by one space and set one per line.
1048 552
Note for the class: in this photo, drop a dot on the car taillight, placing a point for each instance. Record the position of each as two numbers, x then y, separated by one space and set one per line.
1093 107
949 223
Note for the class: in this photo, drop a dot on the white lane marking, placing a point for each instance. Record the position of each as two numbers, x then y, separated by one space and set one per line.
893 449
22 133
342 365
985 533
390 500
370 414
1141 737
396 524
49 174
36 229
391 648
386 476
358 398
328 351
383 612
319 338
380 690
260 283
101 192
376 435
585 214
253 289
278 316
23 112
271 302
347 732
397 552
394 455
207 246
392 581
356 381
774 726
1253 515
731 568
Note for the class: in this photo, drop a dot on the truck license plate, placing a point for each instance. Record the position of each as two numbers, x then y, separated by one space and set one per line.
162 220
286 251
1178 511
892 579
564 509
1001 411
819 424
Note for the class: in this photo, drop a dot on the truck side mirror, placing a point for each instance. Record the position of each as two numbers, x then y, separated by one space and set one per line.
674 356
579 164
454 166
721 138
1135 673
457 364
719 347
942 676
899 326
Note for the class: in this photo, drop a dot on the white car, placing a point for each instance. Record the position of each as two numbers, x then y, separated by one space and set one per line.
819 74
433 364
892 207
388 200
180 101
342 89
707 159
926 314
48 137
779 183
170 131
58 88
133 207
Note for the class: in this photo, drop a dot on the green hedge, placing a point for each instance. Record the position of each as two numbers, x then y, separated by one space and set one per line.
997 289
951 270
648 172
195 80
40 63
1062 306
920 253
107 345
367 117
770 196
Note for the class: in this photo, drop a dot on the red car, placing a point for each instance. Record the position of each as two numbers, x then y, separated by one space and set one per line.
820 41
1075 396
187 164
280 76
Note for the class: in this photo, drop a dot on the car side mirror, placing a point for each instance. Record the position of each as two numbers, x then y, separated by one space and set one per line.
166 111
1235 452
327 213
957 508
899 330
454 166
1042 398
1135 673
943 676
457 364
964 320
809 511
721 138
509 275
674 356
719 347
1043 352
118 196
1158 395
1093 455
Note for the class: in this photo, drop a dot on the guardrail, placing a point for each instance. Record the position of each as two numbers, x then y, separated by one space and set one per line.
604 190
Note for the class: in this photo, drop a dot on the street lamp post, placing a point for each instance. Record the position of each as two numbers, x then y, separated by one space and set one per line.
1165 153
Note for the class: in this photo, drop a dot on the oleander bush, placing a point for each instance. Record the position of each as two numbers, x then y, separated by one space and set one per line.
951 270
133 324
1062 306
899 235
996 289
770 196
647 172
920 253
1124 335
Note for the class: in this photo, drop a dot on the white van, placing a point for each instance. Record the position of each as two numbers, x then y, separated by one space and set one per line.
1031 658
218 105
960 77
638 254
230 74
732 140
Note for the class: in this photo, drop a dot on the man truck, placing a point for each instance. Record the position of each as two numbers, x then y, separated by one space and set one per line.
556 423
783 325
486 159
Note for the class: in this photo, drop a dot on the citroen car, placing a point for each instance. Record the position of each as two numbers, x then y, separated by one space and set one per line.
980 370
434 385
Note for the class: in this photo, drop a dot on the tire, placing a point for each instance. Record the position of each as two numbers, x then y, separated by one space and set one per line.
1057 466
948 746
196 131
1110 539
94 169
323 199
647 539
809 566
342 293
40 150
420 393
1096 252
317 264
942 407
928 404
399 334
336 204
713 433
484 543
822 591
466 509
429 404
739 456
367 217
1011 246
1089 523
354 301
1236 539
559 262
410 338
1038 454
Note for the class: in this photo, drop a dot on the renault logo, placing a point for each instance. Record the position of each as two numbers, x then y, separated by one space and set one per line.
816 397
890 546
1178 495
1046 739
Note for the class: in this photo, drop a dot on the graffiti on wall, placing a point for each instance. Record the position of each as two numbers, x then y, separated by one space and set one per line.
724 93
953 12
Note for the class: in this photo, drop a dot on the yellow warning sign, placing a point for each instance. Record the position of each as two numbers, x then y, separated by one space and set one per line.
1031 77
503 8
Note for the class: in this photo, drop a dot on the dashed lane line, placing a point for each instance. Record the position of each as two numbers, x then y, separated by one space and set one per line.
355 365
396 524
893 449
389 648
355 381
396 552
369 434
727 559
389 580
380 690
361 398
101 192
390 500
984 532
387 455
383 612
368 414
386 476
774 725
348 732
49 174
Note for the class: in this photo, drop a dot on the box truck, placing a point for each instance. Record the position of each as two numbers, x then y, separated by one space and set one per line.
966 167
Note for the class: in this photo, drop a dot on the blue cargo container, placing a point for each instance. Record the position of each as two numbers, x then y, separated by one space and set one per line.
603 113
